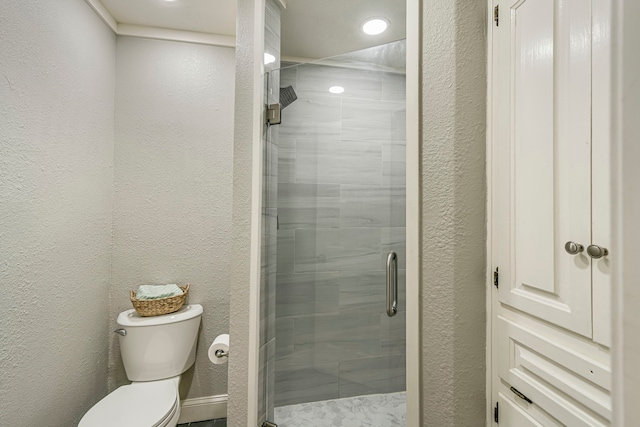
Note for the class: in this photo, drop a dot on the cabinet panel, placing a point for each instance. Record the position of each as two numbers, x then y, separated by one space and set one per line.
533 144
550 153
558 376
513 415
545 157
601 172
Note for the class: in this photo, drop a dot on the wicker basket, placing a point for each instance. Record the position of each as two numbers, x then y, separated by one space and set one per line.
156 307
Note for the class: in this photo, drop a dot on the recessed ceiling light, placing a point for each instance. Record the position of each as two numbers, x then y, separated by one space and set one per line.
268 58
336 89
375 26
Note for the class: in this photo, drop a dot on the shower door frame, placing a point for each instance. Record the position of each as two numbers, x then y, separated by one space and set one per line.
248 341
413 324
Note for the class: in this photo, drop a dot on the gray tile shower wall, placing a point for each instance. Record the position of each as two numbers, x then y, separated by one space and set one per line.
341 209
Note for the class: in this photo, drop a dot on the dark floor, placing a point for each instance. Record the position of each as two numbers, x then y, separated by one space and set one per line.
222 422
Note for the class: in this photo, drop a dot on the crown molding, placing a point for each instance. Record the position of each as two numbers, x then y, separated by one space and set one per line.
175 35
155 33
103 14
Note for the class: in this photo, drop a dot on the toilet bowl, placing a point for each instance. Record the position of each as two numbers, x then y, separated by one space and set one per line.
147 404
155 352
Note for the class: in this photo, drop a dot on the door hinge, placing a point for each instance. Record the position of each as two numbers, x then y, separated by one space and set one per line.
496 14
520 395
272 115
495 413
496 278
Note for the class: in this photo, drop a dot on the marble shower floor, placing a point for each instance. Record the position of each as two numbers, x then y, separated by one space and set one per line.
376 410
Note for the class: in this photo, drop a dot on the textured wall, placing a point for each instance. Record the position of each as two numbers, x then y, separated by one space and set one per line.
453 213
56 157
341 209
625 253
173 190
247 132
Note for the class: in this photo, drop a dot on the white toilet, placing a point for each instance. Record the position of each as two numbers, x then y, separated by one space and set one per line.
155 352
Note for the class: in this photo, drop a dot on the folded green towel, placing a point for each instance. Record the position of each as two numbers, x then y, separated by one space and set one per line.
146 292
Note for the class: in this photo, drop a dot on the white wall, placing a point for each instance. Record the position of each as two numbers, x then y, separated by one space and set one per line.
173 186
245 257
453 217
56 156
626 190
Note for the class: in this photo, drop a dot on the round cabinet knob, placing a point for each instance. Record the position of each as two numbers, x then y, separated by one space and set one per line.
596 251
573 247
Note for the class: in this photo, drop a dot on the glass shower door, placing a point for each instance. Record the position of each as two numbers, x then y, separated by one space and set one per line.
340 240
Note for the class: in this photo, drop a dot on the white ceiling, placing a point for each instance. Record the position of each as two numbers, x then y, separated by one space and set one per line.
310 28
323 28
203 16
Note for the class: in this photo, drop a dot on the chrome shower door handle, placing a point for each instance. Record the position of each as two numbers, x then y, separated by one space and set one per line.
392 284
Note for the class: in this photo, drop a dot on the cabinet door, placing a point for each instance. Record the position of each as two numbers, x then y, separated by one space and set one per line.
600 170
543 172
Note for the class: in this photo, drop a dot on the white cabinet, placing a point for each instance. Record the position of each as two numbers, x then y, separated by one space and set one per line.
549 177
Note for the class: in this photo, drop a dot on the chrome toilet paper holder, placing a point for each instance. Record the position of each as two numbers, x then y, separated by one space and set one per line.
221 353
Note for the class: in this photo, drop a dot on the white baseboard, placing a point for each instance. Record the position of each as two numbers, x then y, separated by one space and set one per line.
203 408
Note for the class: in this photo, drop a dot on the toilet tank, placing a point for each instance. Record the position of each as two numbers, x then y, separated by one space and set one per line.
159 347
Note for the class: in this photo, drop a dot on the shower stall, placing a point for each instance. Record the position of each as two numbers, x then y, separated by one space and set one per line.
333 341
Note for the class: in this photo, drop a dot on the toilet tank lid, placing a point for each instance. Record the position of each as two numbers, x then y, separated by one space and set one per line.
131 318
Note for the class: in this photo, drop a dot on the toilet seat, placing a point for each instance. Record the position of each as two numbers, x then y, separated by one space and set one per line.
144 404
